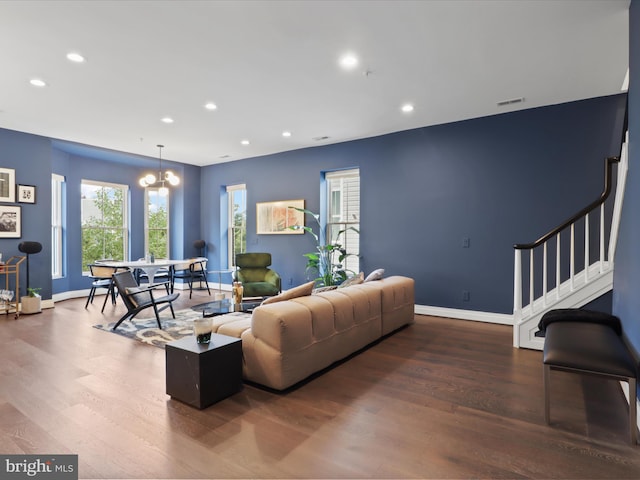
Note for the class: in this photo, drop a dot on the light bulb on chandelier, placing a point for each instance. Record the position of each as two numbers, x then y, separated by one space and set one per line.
168 176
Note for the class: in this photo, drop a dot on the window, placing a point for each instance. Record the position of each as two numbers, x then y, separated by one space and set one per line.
343 213
156 222
104 221
237 223
57 185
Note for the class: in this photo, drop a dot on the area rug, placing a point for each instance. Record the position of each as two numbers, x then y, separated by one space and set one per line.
146 330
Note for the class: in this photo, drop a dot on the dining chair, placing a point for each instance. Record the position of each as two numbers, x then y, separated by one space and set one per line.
193 270
101 276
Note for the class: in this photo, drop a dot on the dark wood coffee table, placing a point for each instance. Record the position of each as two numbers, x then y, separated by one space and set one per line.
222 307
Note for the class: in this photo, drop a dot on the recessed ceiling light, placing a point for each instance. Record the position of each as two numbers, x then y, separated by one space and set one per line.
167 120
407 107
75 57
349 61
210 106
36 82
245 142
286 133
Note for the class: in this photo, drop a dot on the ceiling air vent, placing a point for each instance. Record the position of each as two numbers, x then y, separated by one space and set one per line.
511 101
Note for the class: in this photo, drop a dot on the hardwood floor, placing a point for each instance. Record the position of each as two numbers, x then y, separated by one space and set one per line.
439 399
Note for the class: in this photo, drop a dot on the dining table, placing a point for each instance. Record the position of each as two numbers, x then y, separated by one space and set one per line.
150 268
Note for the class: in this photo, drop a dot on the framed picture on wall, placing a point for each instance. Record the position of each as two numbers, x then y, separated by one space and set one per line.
277 217
7 185
10 221
26 194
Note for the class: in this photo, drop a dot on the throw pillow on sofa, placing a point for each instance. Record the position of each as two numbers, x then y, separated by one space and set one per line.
355 280
375 275
324 289
300 291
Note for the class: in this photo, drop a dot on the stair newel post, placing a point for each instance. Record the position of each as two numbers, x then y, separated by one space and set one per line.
517 295
517 281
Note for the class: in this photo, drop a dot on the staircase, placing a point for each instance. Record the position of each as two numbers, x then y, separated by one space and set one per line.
571 265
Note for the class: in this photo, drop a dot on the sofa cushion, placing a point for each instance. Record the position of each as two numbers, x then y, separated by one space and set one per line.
290 340
295 292
324 289
355 280
375 275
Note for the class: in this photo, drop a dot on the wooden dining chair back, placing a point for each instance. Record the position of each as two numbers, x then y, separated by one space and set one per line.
101 277
193 270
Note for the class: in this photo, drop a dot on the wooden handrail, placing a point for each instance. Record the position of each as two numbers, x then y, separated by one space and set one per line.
592 206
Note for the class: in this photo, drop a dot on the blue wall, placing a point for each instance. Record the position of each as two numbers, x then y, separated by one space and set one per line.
184 211
30 157
496 180
626 283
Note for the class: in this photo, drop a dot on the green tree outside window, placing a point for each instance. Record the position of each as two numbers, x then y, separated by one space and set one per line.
104 233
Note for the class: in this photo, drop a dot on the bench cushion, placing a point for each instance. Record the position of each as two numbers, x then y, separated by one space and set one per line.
587 346
579 315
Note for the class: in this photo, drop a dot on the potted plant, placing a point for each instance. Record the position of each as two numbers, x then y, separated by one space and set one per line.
327 261
32 302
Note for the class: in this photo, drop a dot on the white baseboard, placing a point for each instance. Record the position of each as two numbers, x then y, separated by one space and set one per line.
58 297
488 317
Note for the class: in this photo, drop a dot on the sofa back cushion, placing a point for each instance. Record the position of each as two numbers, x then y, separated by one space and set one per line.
300 291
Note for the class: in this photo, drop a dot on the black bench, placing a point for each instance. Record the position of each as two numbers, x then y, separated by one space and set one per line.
590 343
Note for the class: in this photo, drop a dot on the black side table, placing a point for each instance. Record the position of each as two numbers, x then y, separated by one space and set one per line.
203 374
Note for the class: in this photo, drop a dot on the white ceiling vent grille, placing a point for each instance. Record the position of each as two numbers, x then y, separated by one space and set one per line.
511 101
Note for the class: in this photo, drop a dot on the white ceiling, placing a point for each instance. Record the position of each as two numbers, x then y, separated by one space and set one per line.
272 66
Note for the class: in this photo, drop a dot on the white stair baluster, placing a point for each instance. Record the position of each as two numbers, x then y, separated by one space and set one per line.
558 266
586 248
572 259
544 274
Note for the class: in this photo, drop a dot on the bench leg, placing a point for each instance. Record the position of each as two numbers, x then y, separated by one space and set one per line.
546 372
633 422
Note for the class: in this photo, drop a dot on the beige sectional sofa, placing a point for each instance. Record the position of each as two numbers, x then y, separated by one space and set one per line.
287 341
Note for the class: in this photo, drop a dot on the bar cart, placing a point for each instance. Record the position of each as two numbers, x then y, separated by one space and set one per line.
11 268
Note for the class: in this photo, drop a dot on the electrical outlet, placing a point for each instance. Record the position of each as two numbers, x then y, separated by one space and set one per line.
466 295
290 281
466 242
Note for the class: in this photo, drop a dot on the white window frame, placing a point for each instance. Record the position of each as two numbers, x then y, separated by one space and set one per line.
336 215
125 213
57 225
231 189
146 223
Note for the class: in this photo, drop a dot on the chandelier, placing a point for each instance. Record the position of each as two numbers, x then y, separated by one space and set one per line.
167 176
